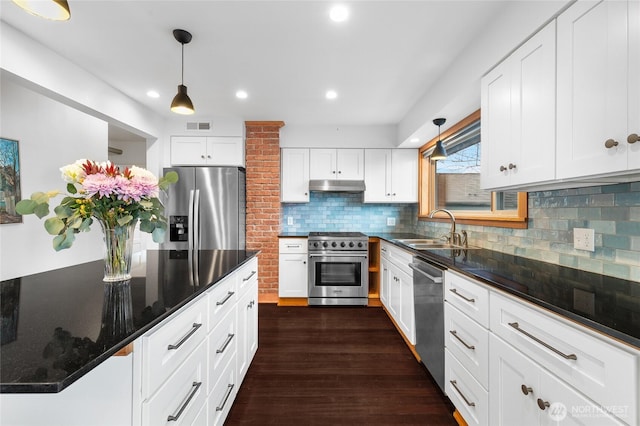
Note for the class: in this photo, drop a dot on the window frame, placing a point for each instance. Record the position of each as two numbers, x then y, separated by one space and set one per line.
426 195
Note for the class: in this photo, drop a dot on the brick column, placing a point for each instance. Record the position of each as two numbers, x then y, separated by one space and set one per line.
263 201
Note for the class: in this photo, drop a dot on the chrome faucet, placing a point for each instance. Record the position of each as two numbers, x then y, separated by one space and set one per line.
454 237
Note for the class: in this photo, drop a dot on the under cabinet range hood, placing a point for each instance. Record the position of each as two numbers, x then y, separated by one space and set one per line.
329 185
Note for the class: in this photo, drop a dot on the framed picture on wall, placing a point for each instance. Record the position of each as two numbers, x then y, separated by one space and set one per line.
9 181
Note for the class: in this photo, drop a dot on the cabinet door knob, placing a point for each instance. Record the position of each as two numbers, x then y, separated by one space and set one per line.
526 389
339 171
208 156
503 169
543 404
512 166
334 172
610 143
202 156
633 138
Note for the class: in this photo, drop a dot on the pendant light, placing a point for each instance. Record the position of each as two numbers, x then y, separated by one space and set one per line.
181 103
439 153
55 10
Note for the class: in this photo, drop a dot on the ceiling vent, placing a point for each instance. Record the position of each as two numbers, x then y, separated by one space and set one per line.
199 126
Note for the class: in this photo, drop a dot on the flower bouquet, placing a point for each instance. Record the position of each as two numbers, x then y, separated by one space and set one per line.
116 199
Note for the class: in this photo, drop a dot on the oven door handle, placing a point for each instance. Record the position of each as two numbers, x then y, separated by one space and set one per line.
364 256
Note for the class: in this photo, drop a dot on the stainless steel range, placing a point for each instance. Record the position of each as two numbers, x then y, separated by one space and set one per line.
338 268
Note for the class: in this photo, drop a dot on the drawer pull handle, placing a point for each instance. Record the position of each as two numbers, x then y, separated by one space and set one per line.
455 334
455 386
546 345
249 277
226 343
194 328
195 386
543 404
227 297
454 291
526 389
226 396
250 305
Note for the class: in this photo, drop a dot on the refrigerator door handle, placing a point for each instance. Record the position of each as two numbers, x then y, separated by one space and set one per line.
190 231
196 221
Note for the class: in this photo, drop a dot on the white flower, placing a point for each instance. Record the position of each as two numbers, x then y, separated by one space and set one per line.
142 173
73 173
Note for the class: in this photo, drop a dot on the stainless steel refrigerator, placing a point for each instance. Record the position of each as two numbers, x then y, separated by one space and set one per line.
206 209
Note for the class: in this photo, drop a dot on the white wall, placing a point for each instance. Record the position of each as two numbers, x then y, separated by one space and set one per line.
307 136
50 136
46 97
456 94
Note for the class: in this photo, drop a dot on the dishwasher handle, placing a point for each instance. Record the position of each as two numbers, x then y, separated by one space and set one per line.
415 267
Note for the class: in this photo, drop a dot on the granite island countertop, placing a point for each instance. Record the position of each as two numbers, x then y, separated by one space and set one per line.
55 330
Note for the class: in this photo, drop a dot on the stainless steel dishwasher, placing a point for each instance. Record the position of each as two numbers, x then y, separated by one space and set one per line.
429 313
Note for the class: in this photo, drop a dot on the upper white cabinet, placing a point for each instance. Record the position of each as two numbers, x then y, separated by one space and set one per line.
347 164
598 88
391 175
518 115
207 151
294 175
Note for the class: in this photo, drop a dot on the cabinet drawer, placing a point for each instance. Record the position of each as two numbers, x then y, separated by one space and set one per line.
165 349
468 342
401 258
470 297
223 394
180 399
248 274
292 245
605 373
469 397
222 298
222 346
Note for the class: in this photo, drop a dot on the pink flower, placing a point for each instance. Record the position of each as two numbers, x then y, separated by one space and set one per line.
100 184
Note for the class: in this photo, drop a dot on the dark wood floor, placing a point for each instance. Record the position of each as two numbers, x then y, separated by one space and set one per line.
335 366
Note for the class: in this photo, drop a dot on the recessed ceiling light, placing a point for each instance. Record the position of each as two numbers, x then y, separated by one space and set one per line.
331 94
153 94
241 94
339 13
415 140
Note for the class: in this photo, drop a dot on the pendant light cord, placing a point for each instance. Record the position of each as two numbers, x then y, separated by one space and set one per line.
182 78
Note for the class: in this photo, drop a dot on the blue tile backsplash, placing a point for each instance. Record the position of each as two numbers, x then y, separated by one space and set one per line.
613 211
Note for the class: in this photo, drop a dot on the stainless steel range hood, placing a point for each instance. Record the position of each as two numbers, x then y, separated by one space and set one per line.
327 185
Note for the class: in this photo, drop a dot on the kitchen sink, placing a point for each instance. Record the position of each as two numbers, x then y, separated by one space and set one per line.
430 244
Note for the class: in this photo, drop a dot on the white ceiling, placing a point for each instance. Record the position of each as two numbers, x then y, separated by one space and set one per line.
285 54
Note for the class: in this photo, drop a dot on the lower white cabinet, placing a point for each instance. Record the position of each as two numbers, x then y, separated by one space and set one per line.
293 274
396 288
464 391
247 318
524 393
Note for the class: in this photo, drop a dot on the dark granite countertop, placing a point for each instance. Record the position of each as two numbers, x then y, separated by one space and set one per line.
612 304
55 324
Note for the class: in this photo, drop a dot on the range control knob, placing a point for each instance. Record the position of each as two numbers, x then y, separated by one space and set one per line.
333 244
315 244
351 244
325 244
342 244
360 244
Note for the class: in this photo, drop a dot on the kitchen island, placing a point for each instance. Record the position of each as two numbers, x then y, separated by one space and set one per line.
64 326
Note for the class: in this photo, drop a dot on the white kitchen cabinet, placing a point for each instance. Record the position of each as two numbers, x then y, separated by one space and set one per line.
466 341
391 176
598 89
293 274
397 288
207 151
247 317
524 393
330 163
602 371
518 115
294 175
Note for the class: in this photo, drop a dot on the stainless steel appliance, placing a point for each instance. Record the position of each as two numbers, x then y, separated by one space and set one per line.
206 209
338 268
429 313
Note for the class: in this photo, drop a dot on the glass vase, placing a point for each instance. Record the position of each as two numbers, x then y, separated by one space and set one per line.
117 314
118 242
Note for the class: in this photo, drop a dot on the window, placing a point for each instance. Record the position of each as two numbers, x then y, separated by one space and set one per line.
454 183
